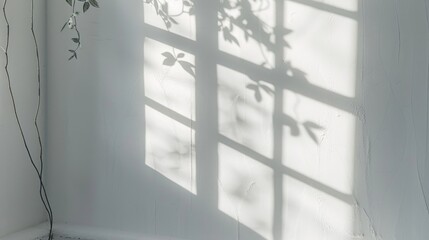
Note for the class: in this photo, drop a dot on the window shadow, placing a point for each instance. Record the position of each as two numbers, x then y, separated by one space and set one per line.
248 126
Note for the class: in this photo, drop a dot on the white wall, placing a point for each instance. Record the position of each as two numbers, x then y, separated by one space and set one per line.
393 146
20 206
325 146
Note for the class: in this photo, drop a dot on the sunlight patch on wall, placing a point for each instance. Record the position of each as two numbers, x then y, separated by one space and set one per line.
349 5
169 77
246 30
174 16
312 214
246 110
170 149
322 145
323 45
246 191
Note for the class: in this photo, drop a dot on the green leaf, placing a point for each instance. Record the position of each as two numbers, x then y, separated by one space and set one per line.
86 6
74 55
64 26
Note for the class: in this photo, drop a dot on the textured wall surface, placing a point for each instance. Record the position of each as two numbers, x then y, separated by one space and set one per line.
392 171
20 206
265 119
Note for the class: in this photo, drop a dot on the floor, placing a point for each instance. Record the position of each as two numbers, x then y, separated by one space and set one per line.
40 232
62 237
69 232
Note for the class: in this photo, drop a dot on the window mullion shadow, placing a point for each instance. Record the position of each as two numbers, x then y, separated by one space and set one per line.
206 124
277 121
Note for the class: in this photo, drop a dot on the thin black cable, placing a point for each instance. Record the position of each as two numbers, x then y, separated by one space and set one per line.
45 200
6 67
38 104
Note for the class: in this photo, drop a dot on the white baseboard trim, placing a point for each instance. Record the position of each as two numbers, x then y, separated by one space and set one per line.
71 232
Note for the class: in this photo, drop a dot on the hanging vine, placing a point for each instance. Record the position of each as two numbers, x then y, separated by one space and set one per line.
72 22
42 191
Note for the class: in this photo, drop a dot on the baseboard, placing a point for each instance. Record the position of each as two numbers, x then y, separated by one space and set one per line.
73 232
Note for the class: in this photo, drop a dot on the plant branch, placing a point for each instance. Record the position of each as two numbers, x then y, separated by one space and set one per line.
15 111
75 25
44 197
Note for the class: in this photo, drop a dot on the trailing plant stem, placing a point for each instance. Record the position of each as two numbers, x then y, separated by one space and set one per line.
42 192
75 25
45 201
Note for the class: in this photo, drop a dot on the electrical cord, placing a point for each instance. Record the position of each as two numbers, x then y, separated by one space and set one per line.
42 191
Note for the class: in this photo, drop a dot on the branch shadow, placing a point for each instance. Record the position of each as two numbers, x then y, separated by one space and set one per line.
260 84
